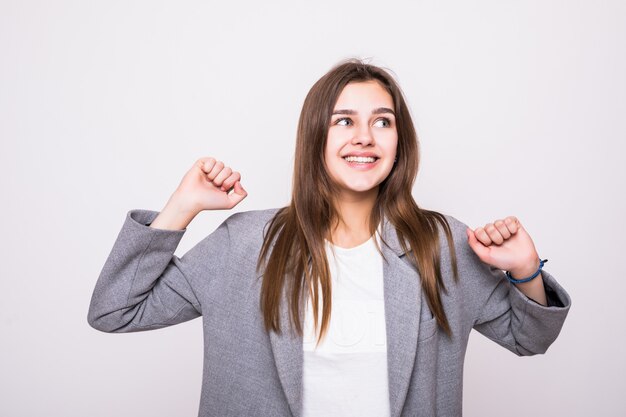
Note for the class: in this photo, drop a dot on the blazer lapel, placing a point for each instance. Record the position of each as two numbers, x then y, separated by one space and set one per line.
402 293
287 349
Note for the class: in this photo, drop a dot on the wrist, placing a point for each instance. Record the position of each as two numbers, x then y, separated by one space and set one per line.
173 218
178 206
525 270
529 278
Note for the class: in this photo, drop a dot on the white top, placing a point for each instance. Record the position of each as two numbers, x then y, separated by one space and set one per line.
347 374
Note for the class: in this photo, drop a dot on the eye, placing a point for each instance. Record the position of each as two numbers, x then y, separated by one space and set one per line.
344 121
382 122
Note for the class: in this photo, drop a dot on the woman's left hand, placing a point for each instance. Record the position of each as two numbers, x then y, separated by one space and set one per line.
506 245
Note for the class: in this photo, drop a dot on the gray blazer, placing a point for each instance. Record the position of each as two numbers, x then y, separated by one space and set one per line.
248 372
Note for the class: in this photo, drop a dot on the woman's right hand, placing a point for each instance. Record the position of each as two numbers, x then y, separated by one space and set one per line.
207 186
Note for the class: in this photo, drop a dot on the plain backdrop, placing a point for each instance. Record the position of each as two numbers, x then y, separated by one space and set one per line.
520 107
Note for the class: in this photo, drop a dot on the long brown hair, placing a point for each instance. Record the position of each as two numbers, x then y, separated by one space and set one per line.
293 254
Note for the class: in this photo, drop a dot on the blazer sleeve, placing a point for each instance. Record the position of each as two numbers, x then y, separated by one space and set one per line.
502 312
143 285
520 324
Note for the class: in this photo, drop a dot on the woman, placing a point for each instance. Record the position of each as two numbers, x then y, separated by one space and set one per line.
405 285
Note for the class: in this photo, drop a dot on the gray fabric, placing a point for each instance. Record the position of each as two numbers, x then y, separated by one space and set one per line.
144 286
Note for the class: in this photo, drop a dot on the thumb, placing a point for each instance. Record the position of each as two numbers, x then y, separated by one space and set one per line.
238 194
481 250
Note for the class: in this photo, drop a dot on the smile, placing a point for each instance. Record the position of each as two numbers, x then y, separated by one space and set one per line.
361 159
361 163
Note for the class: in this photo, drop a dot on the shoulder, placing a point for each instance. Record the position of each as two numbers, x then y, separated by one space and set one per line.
458 228
251 217
456 225
249 223
476 273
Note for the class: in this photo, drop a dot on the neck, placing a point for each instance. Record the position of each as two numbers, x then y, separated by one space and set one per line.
352 227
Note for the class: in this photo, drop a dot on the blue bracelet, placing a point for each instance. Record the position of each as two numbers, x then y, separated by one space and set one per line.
519 281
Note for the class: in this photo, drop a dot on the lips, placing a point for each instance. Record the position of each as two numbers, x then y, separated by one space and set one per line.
360 159
366 154
361 163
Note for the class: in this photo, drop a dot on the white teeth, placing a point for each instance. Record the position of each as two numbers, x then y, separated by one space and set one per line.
360 159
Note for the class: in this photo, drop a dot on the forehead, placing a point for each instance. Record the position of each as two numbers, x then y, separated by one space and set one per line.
364 95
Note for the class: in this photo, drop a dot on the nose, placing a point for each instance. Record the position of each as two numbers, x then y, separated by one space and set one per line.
363 136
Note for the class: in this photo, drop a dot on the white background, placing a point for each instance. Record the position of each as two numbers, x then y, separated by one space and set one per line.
104 105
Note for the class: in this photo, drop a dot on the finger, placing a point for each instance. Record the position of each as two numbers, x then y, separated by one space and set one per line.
504 231
217 168
482 236
206 164
494 234
237 195
224 173
230 181
480 249
512 224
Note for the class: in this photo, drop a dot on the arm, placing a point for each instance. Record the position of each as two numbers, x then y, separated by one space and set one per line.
143 285
512 319
526 319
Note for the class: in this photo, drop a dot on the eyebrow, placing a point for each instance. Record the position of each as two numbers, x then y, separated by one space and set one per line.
378 110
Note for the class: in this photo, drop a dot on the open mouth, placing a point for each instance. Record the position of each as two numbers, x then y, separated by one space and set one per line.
361 159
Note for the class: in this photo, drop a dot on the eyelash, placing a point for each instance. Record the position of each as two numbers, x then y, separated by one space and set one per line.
382 118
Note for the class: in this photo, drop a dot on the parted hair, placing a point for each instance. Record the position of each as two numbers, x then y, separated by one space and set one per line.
293 260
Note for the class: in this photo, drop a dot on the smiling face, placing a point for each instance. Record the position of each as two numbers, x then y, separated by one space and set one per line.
362 139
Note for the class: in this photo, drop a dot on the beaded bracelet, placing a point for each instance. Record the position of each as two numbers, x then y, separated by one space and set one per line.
519 281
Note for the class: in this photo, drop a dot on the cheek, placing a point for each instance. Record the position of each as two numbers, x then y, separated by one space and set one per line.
332 148
330 155
327 151
391 144
332 143
391 149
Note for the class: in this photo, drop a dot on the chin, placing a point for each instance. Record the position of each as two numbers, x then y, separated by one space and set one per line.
361 188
